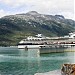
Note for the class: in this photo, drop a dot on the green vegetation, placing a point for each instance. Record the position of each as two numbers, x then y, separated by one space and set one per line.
13 28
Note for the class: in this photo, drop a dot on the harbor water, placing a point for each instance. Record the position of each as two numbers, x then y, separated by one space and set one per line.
14 61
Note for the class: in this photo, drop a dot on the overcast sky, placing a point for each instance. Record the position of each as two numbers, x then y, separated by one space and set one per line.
52 7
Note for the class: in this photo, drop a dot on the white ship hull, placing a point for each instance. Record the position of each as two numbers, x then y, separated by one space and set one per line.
42 42
30 46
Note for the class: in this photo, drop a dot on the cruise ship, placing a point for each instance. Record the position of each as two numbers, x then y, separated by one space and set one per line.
34 42
41 41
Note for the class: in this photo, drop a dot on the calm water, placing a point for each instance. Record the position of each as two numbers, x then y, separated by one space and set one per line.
14 61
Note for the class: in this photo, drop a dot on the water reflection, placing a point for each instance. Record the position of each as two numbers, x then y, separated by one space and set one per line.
33 53
23 52
71 55
16 61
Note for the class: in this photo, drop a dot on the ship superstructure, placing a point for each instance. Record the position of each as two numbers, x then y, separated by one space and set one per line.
34 42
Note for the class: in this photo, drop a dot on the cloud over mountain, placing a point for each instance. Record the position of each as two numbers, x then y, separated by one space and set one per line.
62 7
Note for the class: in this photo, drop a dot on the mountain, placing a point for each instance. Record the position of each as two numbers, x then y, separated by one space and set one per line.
13 28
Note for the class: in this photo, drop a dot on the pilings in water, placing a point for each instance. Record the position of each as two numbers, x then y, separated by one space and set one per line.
57 48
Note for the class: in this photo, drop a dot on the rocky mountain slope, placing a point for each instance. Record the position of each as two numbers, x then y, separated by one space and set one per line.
13 28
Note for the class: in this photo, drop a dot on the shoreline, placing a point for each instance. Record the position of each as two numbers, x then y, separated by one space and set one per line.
54 72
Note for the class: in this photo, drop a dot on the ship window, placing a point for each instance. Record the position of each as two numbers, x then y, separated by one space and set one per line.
30 43
74 36
24 40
